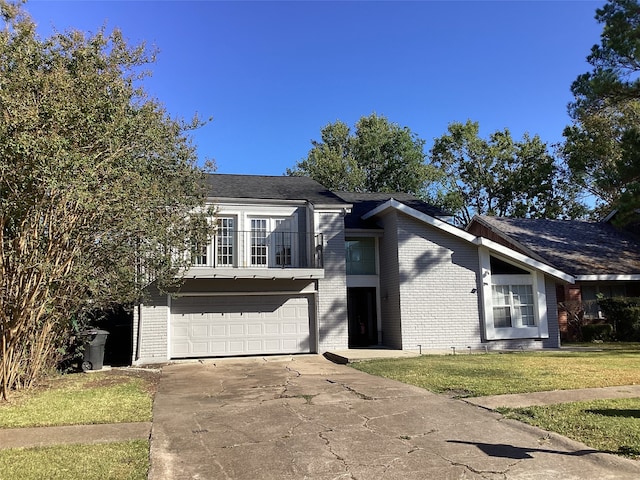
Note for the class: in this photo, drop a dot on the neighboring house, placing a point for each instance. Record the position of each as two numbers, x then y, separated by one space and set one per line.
295 268
603 260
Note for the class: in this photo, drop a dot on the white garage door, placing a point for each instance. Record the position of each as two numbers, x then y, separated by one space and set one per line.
227 326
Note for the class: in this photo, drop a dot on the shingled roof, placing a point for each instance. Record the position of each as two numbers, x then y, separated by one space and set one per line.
365 202
271 188
573 246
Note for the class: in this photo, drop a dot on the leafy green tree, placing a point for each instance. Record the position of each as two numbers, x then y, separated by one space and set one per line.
97 184
498 176
602 146
378 157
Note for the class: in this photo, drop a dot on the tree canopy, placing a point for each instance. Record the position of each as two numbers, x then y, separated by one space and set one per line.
379 156
498 176
97 184
602 146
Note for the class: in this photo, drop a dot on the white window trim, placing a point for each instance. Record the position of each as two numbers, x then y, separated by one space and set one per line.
536 279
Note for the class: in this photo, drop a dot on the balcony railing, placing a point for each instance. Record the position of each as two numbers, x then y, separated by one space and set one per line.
260 249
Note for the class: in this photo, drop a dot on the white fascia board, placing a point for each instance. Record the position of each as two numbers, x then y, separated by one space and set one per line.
519 257
346 208
608 278
423 217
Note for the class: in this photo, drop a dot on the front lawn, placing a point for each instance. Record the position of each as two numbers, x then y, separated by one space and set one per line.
611 426
114 396
111 461
83 398
519 372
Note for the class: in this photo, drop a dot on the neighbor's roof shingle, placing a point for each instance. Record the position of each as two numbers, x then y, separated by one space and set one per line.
573 246
271 188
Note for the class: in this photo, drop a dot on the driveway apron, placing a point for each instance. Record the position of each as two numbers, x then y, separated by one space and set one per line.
303 417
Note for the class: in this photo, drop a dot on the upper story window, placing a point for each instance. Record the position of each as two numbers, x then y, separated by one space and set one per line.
199 241
259 249
199 253
225 242
273 242
361 256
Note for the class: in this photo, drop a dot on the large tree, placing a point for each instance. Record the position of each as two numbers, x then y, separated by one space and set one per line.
96 186
498 176
602 146
379 156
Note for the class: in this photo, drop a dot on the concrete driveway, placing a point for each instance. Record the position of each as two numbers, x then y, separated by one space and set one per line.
304 417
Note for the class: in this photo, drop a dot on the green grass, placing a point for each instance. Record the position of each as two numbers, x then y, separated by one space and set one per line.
521 372
101 397
608 425
111 461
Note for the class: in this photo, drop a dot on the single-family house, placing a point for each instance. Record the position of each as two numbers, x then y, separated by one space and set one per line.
604 260
295 268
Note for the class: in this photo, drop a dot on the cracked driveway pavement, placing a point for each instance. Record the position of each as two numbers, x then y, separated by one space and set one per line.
303 417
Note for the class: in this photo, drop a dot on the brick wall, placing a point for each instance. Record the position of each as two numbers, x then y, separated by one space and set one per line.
438 280
153 339
390 284
332 289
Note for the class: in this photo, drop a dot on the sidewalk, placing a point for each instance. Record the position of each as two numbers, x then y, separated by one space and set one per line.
519 400
72 434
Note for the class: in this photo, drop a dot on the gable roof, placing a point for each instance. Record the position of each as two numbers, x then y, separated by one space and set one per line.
365 202
263 187
490 245
587 250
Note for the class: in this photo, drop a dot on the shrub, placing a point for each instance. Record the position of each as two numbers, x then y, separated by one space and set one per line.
624 314
597 331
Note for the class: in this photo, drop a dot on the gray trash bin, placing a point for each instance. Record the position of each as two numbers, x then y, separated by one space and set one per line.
94 341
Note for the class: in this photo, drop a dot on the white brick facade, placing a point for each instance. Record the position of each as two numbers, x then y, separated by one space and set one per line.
150 327
332 289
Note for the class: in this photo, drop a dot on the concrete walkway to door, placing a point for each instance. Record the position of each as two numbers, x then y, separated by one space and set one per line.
304 417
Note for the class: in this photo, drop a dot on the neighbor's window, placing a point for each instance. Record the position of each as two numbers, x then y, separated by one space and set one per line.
361 256
591 293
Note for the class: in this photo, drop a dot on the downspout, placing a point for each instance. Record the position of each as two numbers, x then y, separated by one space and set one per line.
138 333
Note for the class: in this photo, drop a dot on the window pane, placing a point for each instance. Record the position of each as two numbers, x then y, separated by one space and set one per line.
527 315
501 295
361 256
501 317
513 306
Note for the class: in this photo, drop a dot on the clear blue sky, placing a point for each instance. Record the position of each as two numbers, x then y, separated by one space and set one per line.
272 74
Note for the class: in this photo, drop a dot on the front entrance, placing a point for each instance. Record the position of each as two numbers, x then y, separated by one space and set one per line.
363 322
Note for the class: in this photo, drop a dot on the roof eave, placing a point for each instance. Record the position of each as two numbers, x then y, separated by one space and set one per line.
635 277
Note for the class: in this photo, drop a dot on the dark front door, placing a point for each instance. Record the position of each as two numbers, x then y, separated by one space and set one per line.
363 324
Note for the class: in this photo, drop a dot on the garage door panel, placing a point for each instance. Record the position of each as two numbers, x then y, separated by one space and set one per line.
219 326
